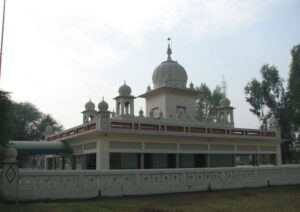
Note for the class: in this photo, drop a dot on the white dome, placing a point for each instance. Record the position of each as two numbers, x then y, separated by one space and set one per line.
224 102
90 106
169 73
103 106
10 153
124 90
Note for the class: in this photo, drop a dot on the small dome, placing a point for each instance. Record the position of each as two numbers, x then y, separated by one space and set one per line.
90 106
169 73
148 88
192 86
124 90
103 106
224 102
141 112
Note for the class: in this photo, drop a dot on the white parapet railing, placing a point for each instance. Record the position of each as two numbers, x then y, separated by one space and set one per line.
39 185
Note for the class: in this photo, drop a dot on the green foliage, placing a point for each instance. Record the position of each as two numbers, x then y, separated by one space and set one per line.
25 117
294 84
46 120
5 122
29 123
268 97
208 102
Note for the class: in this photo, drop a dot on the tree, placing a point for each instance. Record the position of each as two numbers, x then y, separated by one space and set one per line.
29 123
5 122
25 117
267 97
294 85
208 102
268 100
47 120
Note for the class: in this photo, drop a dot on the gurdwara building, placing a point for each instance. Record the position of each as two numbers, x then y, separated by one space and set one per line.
167 135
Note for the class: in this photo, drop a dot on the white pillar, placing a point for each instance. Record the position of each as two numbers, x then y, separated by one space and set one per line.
122 107
278 155
104 155
10 176
117 108
98 156
231 117
131 108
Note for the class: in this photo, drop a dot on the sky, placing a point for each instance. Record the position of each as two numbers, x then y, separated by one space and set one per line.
58 54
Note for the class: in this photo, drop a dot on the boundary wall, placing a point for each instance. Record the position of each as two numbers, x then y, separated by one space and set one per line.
57 185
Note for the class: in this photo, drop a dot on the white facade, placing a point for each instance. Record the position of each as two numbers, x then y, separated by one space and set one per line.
167 136
171 103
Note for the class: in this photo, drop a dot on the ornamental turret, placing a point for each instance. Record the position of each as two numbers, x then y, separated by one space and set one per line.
125 101
89 112
225 112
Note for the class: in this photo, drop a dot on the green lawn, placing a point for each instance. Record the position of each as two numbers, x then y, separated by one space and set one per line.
260 199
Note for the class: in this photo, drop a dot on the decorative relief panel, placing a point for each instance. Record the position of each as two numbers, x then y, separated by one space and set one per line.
191 178
215 176
10 174
54 182
207 176
90 181
176 179
115 180
228 175
156 179
41 182
200 177
146 179
104 180
70 181
26 182
58 181
166 179
128 180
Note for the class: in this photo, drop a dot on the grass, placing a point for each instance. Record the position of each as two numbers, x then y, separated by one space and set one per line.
259 199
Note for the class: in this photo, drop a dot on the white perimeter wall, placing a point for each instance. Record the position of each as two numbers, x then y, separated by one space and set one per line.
38 185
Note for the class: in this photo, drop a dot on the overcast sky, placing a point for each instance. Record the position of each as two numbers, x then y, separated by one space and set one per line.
60 53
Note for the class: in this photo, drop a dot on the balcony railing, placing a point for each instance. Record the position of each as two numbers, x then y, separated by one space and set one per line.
72 132
163 128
